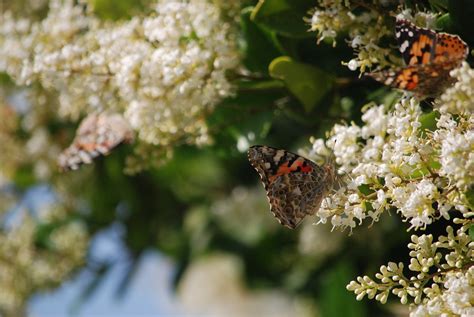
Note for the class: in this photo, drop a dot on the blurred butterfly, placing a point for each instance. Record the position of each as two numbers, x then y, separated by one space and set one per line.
429 55
295 185
97 135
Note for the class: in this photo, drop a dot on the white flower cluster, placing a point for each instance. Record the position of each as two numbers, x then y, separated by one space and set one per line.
456 298
164 72
441 281
332 17
455 142
460 97
364 30
391 161
39 247
420 18
26 267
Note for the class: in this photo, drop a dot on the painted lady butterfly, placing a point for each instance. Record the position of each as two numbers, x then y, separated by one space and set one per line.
97 135
429 56
295 186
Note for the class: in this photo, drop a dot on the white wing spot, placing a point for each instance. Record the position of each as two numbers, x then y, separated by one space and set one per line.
410 34
404 46
278 155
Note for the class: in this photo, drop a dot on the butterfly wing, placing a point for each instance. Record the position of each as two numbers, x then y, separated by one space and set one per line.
97 135
416 44
423 80
450 47
295 186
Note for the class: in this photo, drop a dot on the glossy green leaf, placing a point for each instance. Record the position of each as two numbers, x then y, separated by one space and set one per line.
261 85
285 17
259 47
307 83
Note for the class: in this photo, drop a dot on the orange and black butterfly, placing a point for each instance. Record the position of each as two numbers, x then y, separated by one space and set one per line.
295 185
429 57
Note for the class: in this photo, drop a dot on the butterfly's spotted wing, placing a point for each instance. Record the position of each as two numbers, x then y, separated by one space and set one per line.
430 56
295 186
450 47
423 80
97 135
416 44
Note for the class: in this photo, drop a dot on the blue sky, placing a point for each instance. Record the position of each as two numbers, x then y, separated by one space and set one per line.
149 292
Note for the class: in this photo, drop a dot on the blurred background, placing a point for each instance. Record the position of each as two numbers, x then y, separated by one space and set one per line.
193 235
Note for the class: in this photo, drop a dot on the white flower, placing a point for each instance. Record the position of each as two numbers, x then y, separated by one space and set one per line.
460 97
389 156
364 28
456 298
456 145
353 64
165 72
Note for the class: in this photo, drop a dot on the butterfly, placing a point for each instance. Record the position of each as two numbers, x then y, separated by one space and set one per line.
97 135
429 57
295 186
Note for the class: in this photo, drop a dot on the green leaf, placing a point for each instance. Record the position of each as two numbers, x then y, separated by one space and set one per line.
249 114
470 196
116 9
471 232
284 16
428 121
335 300
307 83
444 23
261 85
365 189
422 172
439 5
259 46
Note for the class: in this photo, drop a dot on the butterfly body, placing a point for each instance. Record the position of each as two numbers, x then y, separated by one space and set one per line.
295 186
429 58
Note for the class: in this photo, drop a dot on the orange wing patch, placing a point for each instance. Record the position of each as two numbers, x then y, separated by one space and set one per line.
299 165
450 47
421 49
